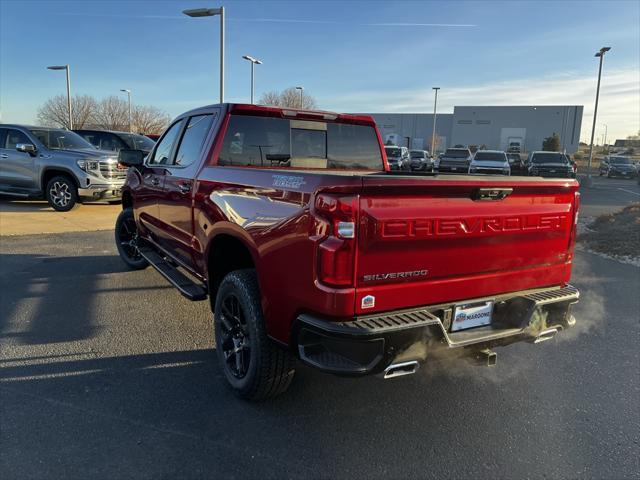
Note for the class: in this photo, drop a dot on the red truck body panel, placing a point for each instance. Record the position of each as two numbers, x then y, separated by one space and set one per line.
467 248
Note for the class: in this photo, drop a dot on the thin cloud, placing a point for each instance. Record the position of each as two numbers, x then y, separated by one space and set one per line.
266 20
619 105
331 22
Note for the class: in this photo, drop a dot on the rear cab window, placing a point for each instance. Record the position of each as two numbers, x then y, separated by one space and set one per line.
281 143
548 158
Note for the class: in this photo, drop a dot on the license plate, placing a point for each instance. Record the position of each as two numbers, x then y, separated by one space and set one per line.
472 315
453 169
552 171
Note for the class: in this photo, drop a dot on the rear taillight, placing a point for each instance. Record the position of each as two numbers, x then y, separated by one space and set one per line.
336 228
574 227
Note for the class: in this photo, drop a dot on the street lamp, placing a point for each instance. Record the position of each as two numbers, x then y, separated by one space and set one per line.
301 89
606 130
254 62
68 69
599 54
128 92
435 106
210 12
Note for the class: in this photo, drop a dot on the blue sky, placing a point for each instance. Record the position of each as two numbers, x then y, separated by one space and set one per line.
352 56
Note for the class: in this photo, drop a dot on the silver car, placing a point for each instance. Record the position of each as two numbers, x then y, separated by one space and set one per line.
58 165
422 161
491 162
398 157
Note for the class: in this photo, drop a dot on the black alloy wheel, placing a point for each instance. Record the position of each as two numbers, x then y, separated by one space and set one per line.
236 344
126 234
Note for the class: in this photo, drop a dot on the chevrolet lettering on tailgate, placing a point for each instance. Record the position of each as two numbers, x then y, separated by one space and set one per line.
452 227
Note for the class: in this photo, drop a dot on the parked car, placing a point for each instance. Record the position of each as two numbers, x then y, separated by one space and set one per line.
115 141
516 164
515 145
153 136
455 160
574 164
617 166
421 160
493 162
398 157
56 164
353 274
549 164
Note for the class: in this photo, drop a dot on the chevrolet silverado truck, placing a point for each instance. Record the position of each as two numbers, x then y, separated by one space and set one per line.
310 249
56 164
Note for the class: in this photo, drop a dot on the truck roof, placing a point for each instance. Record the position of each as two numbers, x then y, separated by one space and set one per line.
285 112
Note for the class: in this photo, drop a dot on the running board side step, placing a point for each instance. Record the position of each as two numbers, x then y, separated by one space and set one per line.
187 287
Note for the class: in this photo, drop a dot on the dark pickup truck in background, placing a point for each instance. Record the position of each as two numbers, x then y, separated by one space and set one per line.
309 248
550 165
454 160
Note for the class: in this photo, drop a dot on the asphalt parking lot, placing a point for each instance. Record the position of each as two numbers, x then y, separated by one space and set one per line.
107 373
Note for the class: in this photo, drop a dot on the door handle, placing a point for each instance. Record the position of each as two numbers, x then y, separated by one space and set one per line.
4 155
155 182
185 187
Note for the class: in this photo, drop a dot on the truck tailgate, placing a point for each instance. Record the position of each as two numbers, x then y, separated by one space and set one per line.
425 241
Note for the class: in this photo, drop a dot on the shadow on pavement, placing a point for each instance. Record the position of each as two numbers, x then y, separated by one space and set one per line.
56 294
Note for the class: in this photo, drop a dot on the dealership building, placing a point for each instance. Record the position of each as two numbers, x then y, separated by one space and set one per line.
493 127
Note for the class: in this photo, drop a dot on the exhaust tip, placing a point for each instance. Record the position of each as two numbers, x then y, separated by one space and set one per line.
487 357
545 335
400 369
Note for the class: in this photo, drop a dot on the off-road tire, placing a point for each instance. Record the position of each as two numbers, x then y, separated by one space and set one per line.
271 367
62 193
126 231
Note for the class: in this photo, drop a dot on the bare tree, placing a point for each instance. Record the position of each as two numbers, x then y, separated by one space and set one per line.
55 111
290 98
112 113
148 119
271 98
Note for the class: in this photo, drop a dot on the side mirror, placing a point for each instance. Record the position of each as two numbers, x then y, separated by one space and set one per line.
131 158
26 148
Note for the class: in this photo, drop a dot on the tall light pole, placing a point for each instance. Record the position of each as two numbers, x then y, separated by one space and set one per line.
68 69
128 92
254 62
301 89
435 109
599 54
210 12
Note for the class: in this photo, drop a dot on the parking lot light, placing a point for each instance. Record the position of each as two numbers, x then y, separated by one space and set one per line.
435 107
210 12
599 54
254 62
68 69
301 90
128 92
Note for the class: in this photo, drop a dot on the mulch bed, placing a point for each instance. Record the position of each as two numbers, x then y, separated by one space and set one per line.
616 234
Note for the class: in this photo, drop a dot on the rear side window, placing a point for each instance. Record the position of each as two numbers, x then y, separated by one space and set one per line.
548 158
277 142
193 140
162 153
490 156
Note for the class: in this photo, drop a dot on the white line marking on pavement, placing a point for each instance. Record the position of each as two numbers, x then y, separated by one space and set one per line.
629 191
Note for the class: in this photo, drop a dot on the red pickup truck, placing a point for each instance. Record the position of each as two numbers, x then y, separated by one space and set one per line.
309 247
